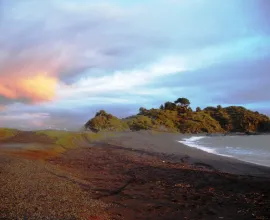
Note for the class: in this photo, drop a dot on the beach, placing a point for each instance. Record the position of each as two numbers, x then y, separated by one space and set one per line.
131 175
168 143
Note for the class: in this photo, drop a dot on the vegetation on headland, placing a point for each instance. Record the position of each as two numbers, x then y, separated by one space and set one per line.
106 122
179 117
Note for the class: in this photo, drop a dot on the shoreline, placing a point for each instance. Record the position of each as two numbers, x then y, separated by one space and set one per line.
209 150
138 175
167 144
151 141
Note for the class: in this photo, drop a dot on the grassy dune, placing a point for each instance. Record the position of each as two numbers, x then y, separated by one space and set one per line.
7 133
43 144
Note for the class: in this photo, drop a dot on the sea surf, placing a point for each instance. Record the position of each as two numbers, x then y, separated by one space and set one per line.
250 148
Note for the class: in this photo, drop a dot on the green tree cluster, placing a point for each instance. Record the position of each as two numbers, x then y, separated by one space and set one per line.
177 116
238 119
106 122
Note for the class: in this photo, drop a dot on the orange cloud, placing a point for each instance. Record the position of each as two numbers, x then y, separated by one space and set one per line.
37 88
2 107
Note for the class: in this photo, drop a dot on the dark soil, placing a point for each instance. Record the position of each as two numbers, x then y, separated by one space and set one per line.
141 185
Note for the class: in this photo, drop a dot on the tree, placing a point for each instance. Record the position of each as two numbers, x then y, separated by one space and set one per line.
161 107
198 109
183 102
219 107
170 106
142 110
141 122
101 112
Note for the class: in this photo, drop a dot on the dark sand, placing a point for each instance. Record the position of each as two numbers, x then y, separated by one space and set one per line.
167 143
134 175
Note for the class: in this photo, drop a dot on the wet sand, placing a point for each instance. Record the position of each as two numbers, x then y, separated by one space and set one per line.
167 144
133 175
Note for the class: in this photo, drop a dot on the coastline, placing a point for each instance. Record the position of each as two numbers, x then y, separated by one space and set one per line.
129 175
194 142
167 144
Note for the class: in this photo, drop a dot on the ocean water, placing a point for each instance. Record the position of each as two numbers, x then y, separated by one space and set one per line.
254 149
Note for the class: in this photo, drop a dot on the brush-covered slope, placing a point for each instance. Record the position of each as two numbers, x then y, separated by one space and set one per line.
239 119
179 117
106 122
199 122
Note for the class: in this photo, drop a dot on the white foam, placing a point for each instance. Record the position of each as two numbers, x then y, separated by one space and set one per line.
193 142
194 138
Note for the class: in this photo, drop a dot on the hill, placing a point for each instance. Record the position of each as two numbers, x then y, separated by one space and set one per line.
106 122
239 119
177 116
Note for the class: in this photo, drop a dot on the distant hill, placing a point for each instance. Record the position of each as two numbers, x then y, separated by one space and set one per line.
179 117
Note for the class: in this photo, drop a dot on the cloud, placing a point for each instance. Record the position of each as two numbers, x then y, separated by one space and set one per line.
72 58
44 117
41 48
241 82
179 68
45 42
2 107
35 88
24 116
119 81
27 121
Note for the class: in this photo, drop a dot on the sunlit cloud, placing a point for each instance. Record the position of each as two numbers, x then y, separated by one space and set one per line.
135 81
25 116
68 58
34 89
2 107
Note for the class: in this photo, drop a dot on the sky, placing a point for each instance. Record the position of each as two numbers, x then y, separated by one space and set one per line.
63 60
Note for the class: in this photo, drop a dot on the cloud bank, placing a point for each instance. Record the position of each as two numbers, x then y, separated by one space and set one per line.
64 60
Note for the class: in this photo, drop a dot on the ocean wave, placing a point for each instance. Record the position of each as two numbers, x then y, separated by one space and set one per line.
193 142
254 156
